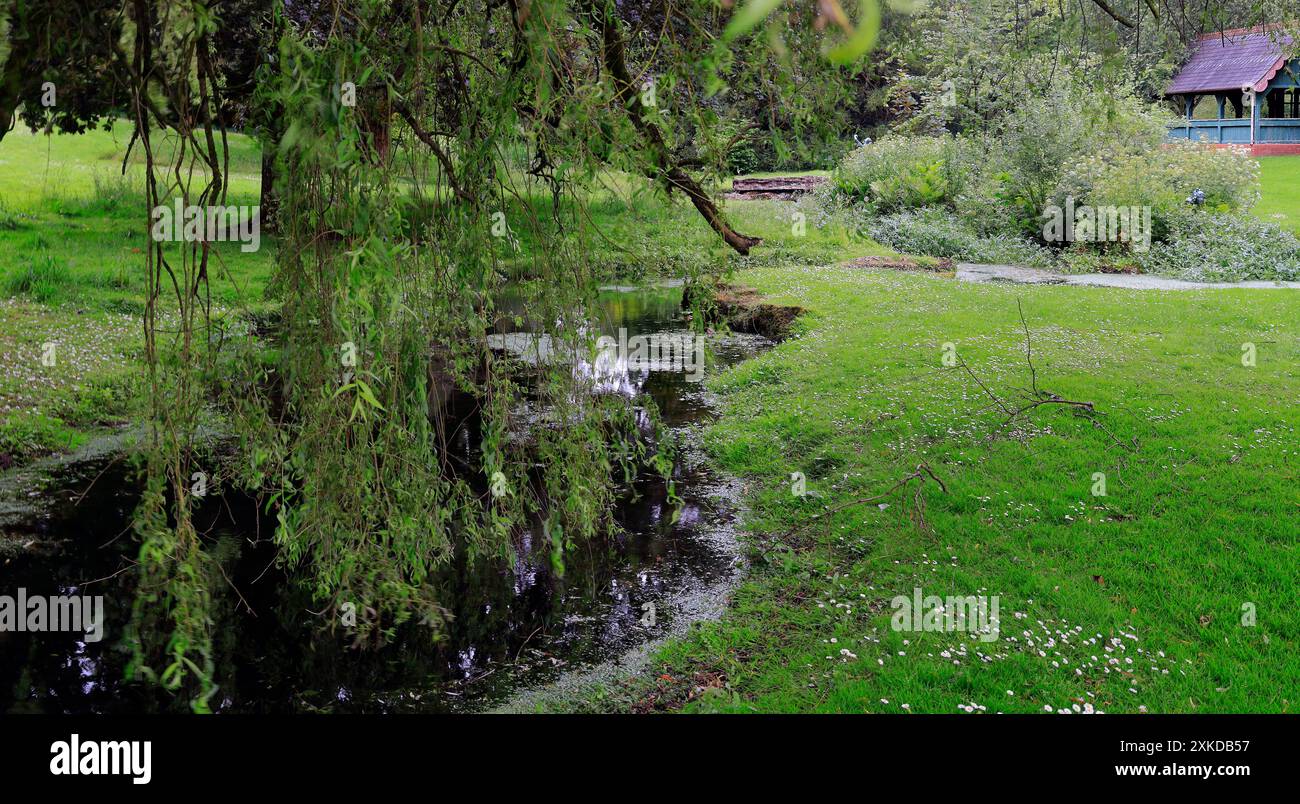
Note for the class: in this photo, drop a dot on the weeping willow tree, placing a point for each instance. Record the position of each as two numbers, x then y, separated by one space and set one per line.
418 139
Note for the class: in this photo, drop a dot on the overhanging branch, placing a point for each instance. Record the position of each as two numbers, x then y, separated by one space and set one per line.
613 55
1115 15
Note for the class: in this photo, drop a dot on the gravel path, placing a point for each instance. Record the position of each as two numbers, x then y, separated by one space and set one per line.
968 272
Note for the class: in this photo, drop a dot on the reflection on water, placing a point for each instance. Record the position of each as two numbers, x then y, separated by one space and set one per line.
514 623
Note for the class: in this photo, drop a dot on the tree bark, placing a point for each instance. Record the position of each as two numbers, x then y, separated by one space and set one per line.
11 82
6 121
269 202
615 60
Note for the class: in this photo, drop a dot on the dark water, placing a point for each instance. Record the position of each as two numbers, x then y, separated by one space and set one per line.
515 625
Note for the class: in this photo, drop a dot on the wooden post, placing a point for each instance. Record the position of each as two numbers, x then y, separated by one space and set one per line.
1255 102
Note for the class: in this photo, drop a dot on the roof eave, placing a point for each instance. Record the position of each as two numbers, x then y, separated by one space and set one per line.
1259 86
1270 74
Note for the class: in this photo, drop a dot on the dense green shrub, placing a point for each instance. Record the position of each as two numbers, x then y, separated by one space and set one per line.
742 157
1044 135
1068 148
904 173
1163 179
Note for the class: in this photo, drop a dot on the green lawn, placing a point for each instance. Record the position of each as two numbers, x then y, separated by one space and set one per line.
1280 191
72 276
72 226
1199 524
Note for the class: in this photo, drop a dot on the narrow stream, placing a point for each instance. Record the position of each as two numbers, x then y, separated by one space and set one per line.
516 627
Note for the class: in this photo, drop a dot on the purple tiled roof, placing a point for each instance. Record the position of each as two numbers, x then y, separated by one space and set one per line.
1230 62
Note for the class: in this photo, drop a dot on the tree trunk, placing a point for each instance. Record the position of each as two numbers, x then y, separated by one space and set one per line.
270 203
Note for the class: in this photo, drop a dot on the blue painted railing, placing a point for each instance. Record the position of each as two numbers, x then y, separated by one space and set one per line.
1237 131
1279 131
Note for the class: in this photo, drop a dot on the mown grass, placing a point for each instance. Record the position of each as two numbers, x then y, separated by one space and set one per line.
1279 179
72 274
1200 522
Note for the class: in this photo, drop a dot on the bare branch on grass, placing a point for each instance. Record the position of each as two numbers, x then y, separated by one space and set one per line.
922 472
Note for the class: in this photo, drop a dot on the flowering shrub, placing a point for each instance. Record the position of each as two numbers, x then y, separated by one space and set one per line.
1167 177
1069 149
1223 247
1167 180
1044 135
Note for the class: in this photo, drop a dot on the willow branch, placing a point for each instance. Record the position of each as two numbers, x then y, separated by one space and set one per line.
665 169
448 168
1115 15
922 472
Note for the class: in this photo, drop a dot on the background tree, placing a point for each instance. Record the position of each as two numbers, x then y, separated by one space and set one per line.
68 45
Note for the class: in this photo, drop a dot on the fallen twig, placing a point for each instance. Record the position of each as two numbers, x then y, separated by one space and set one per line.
1036 396
1029 349
922 472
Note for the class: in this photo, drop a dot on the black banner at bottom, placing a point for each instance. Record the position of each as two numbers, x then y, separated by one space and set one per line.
340 752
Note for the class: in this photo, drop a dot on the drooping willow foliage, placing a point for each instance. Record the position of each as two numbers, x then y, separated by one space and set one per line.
175 87
417 140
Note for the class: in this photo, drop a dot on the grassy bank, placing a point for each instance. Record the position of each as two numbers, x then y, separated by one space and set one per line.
72 284
1132 601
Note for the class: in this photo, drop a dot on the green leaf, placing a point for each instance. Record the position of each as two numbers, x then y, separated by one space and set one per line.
368 395
754 12
853 48
290 137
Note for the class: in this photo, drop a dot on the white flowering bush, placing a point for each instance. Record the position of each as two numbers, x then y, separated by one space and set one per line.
1165 179
1223 247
